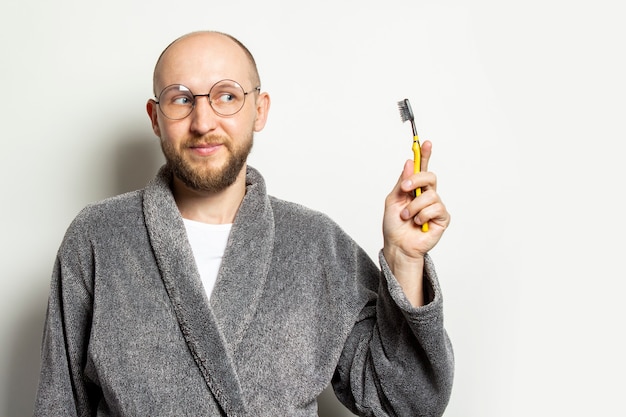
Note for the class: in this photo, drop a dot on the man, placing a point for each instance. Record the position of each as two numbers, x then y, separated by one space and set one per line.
201 295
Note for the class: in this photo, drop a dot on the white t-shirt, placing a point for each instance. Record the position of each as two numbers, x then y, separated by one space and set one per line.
208 243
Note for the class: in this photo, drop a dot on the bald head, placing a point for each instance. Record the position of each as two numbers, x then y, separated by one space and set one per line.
196 47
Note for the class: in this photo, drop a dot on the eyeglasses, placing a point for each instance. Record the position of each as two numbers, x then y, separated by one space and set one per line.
226 98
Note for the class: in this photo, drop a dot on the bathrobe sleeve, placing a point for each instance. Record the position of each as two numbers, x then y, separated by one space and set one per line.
63 387
397 360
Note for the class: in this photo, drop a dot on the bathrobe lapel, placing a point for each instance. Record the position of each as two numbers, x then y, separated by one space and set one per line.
213 330
245 264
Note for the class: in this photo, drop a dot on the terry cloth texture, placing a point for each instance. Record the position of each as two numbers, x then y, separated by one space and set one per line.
130 331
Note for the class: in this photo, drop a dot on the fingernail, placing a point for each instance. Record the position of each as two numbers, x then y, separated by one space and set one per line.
405 214
407 184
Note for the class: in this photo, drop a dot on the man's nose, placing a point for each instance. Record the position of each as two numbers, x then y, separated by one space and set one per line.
204 118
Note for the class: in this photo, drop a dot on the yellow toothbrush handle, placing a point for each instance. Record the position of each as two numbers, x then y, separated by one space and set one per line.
417 167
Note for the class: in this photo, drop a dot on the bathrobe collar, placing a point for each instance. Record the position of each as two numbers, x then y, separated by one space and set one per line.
213 329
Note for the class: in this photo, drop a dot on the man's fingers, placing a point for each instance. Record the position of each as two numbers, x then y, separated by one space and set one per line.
427 148
405 178
423 180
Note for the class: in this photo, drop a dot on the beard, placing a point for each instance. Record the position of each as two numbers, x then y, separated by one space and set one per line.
203 177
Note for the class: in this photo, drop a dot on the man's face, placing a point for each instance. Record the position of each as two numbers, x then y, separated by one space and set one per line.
207 151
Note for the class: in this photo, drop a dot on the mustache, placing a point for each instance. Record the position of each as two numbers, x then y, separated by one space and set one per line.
207 140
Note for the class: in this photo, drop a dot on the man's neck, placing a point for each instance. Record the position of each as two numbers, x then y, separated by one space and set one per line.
210 207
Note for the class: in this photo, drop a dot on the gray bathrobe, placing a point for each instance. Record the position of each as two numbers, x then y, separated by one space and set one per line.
130 331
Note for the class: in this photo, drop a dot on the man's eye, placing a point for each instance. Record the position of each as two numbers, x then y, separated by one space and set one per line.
182 100
226 98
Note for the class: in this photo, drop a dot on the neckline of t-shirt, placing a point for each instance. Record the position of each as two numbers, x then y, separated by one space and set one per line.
211 226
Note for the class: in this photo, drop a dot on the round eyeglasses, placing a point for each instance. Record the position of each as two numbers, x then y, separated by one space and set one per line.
226 98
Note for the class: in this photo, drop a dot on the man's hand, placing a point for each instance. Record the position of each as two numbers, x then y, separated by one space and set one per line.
405 242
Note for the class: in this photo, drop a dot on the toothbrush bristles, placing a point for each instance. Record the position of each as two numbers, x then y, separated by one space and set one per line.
406 113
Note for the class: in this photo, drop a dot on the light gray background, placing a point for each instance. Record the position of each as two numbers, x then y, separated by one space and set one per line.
525 105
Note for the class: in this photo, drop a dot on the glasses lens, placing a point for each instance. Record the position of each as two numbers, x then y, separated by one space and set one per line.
176 102
227 97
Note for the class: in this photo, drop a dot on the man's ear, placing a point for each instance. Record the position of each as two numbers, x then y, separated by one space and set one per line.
151 108
262 108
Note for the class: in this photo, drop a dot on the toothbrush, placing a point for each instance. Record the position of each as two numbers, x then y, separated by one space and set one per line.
406 113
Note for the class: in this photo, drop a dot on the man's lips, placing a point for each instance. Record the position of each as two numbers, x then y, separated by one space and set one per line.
206 148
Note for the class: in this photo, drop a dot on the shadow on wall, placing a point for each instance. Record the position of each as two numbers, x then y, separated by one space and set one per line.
329 405
24 350
136 162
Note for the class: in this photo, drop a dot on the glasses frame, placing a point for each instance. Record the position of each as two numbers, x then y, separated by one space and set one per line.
208 96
